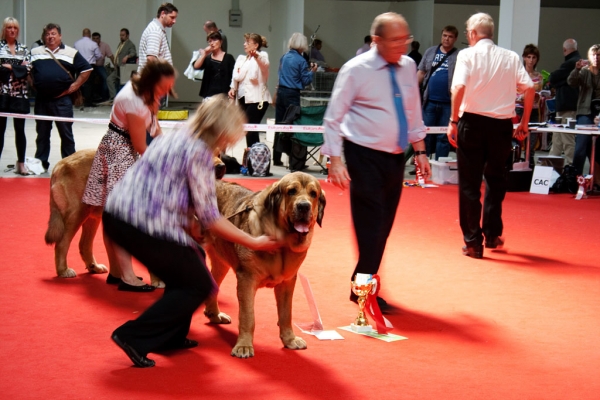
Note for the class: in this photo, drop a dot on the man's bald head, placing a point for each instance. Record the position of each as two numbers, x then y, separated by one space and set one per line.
569 46
87 32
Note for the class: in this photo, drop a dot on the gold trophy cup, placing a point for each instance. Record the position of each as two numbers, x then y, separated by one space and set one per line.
361 323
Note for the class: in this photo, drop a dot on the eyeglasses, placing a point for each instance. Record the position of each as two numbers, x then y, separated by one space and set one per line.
400 41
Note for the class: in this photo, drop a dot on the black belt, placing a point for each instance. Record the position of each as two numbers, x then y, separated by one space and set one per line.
289 88
118 129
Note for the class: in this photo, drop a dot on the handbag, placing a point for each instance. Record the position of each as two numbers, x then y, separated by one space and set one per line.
76 97
15 105
192 73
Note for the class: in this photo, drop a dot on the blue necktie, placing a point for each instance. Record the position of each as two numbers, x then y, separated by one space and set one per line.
403 136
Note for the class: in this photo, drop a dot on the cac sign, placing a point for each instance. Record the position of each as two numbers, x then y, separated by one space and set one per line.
540 183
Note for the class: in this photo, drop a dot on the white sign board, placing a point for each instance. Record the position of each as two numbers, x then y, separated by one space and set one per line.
542 177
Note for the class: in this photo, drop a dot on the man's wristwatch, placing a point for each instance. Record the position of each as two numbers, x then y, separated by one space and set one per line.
454 122
420 152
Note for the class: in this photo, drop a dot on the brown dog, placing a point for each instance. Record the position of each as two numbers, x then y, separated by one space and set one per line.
288 210
68 213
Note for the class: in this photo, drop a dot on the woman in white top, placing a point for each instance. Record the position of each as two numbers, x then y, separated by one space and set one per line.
132 121
249 82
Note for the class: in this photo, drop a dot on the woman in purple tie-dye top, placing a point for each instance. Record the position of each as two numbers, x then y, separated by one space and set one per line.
148 213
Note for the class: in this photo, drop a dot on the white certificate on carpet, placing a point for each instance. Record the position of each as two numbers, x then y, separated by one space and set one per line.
390 337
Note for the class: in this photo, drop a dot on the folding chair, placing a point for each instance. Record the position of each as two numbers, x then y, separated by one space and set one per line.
309 144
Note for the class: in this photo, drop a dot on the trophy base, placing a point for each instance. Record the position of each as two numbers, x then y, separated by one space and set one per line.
361 329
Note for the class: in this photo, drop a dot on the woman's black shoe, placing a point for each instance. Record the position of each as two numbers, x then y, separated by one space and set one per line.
125 287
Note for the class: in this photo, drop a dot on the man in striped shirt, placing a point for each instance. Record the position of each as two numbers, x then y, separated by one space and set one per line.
153 44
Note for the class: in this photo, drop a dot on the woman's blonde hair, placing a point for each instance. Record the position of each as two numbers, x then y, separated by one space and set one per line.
219 122
9 21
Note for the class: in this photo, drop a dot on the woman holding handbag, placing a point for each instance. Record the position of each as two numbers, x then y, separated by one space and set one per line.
14 64
249 82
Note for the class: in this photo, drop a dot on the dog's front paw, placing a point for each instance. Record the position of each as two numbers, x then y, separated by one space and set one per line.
296 343
158 284
241 351
217 318
67 273
97 269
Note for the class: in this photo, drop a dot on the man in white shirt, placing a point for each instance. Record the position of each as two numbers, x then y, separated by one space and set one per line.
363 119
153 43
484 88
91 52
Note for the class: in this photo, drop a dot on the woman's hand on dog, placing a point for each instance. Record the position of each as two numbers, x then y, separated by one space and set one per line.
228 231
266 243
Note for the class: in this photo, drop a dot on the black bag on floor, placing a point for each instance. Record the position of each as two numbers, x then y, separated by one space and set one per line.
567 181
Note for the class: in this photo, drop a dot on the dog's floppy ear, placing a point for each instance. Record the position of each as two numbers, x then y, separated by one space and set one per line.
322 203
273 200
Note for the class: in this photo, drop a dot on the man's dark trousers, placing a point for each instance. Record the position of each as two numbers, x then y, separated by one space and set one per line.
484 145
61 107
375 189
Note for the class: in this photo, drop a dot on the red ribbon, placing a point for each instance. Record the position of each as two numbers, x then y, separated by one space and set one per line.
373 308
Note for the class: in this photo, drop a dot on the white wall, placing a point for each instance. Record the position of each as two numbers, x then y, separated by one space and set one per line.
343 25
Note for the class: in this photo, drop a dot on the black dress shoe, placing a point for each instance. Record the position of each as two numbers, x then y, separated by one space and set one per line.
113 280
125 287
473 251
138 359
495 243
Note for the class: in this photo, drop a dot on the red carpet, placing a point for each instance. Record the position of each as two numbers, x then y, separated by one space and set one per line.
519 324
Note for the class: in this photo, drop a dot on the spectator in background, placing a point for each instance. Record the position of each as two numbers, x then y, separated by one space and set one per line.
315 51
565 101
99 69
435 74
153 43
249 83
91 53
366 46
217 65
586 76
414 52
125 54
54 85
294 75
531 56
210 27
14 68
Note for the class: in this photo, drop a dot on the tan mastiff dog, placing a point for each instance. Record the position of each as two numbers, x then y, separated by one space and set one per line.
68 214
288 210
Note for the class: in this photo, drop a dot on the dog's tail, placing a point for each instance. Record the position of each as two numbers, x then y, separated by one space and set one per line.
56 226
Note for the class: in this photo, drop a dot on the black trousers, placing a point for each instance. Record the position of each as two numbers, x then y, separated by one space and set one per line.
375 189
254 116
285 98
20 138
188 283
484 145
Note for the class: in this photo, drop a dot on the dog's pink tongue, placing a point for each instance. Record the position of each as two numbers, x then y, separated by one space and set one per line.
299 227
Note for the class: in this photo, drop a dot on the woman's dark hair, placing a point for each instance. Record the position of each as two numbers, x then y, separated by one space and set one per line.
531 49
145 82
256 38
215 36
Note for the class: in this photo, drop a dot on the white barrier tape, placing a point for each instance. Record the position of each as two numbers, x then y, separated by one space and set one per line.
171 124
